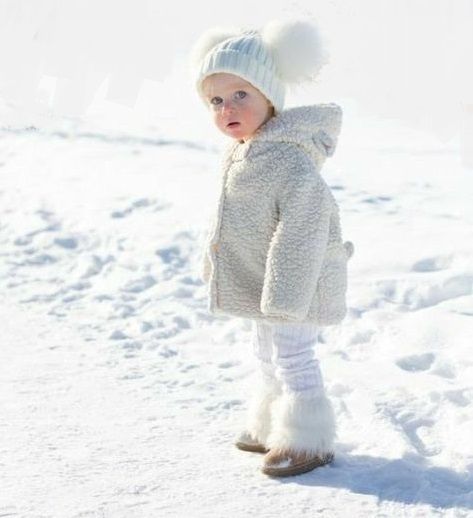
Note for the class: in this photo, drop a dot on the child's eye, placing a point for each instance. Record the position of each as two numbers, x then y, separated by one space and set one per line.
240 94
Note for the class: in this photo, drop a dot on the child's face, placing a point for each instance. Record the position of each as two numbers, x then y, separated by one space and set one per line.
231 99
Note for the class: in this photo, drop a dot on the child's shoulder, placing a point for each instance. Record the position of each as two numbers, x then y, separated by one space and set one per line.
277 150
288 163
286 154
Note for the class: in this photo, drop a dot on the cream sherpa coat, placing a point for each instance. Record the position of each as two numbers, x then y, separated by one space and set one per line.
274 250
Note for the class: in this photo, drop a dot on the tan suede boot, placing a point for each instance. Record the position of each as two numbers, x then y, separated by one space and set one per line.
284 463
302 434
246 443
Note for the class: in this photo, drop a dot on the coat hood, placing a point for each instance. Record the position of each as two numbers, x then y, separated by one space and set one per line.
314 128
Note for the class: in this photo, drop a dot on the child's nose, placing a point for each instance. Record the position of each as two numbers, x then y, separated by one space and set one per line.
228 105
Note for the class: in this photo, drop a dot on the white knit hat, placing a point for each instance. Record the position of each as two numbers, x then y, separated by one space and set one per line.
281 53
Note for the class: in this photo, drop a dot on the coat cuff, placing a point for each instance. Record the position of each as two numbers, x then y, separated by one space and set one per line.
271 310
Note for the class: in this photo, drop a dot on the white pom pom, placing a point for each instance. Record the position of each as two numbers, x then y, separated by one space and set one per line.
207 41
297 48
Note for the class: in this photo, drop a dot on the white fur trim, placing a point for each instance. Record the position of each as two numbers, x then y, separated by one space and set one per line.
258 423
297 48
302 423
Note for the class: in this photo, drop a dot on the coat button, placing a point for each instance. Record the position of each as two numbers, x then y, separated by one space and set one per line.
215 247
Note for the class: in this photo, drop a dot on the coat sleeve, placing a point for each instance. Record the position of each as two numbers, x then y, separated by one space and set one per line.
298 245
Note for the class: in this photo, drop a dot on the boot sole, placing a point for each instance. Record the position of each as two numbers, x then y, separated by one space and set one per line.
256 448
298 468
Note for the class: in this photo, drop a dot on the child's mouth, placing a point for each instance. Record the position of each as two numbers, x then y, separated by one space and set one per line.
232 124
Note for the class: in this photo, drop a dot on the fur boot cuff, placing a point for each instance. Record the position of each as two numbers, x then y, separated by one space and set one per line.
258 423
302 422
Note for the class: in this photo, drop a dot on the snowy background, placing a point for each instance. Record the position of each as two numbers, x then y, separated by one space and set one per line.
120 395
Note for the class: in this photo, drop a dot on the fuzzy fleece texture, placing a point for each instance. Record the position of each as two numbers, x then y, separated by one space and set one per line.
302 423
274 249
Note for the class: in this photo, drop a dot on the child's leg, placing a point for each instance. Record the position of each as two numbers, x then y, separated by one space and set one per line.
267 386
263 351
303 418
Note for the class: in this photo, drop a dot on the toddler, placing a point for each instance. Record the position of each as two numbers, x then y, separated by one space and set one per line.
274 253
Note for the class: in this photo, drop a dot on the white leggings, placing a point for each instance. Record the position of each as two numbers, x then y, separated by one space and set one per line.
285 354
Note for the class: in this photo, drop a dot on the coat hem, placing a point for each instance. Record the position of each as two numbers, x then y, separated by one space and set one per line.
321 322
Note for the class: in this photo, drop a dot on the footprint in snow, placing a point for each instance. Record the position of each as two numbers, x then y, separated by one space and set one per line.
132 345
139 285
376 199
416 362
425 295
432 264
66 242
137 204
118 335
224 405
444 370
91 265
418 429
40 259
228 364
27 238
171 255
460 397
362 336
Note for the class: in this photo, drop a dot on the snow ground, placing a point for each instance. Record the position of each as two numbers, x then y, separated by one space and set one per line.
121 395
